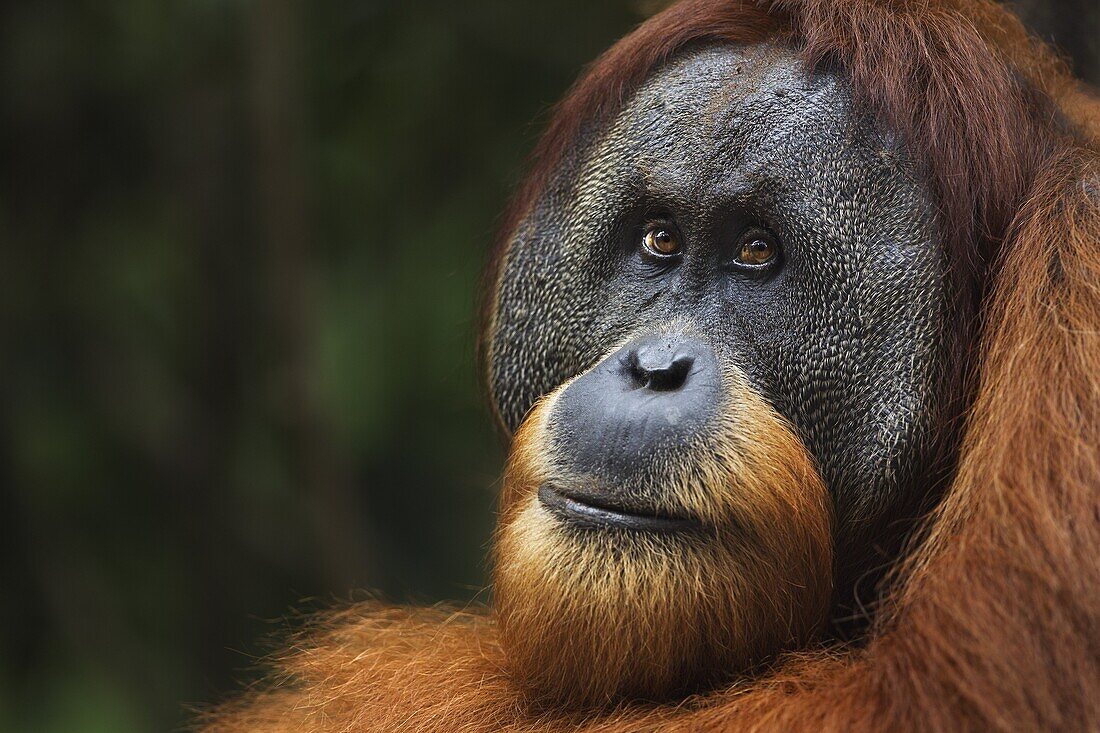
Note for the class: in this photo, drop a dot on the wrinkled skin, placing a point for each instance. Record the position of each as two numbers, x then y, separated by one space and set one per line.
846 337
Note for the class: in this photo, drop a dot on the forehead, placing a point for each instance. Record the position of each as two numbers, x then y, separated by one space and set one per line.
723 123
720 138
735 97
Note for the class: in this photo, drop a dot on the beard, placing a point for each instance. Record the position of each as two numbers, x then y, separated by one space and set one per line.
591 616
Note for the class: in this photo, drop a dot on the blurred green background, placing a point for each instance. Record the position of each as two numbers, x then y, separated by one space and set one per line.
240 247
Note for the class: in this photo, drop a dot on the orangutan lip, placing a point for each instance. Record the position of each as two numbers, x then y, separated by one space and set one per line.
591 512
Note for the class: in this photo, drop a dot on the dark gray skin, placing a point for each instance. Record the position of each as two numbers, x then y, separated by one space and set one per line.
846 335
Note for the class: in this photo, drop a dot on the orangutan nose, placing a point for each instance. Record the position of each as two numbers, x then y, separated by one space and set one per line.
636 409
658 367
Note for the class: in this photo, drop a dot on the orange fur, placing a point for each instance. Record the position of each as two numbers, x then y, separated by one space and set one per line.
588 619
994 623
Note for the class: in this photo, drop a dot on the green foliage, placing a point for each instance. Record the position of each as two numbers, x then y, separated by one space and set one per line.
241 243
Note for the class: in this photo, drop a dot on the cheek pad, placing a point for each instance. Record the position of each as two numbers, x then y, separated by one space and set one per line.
847 344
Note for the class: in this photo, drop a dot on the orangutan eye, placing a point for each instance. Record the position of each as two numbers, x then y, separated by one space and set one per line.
660 242
757 248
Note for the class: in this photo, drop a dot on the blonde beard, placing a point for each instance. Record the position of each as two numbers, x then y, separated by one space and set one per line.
592 616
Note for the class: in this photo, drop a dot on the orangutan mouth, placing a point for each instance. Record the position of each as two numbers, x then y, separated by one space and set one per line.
589 512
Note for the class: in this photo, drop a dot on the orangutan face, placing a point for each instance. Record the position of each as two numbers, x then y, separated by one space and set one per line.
718 340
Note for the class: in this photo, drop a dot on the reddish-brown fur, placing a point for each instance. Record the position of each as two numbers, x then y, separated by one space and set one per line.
994 623
585 623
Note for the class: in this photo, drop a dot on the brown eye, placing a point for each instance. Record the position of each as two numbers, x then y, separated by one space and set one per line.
660 241
758 247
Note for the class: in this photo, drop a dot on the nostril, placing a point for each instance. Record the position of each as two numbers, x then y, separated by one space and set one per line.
660 378
639 375
671 377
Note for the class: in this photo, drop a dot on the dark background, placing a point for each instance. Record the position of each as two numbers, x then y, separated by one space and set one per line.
239 246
